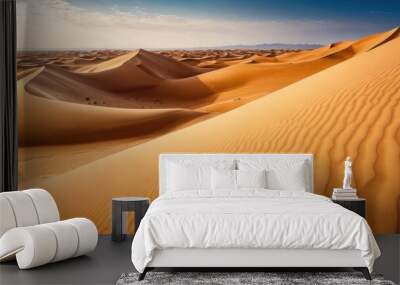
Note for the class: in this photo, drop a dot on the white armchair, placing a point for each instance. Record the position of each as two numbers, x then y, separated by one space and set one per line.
31 230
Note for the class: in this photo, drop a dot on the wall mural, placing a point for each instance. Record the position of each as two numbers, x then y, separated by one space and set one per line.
104 87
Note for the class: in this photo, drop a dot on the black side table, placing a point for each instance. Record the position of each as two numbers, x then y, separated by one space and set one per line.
357 205
122 205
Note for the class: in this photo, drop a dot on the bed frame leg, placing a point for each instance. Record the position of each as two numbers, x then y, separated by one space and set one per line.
364 271
143 274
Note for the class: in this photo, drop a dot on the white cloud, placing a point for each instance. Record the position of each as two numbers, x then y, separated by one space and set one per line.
59 24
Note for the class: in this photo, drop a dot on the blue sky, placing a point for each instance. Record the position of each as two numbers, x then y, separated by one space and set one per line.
383 13
180 24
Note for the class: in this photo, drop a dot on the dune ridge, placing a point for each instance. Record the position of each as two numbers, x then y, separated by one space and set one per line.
112 83
65 122
155 64
70 60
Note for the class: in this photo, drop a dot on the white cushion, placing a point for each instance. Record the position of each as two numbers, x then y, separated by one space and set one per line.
40 244
7 218
236 179
32 246
27 208
87 233
223 179
287 179
281 174
23 208
67 239
188 175
46 207
251 178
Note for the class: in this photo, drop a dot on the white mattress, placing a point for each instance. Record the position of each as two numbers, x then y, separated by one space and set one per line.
250 219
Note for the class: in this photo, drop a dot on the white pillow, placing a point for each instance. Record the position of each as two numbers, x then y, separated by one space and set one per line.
287 179
183 178
236 179
281 174
223 179
189 174
251 178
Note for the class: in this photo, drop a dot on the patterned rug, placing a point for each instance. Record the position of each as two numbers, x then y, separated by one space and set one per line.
244 278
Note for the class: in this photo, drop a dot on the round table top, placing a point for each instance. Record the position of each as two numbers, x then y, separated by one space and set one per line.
350 199
130 199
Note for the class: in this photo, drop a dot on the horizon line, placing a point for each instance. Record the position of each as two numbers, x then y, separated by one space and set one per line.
240 46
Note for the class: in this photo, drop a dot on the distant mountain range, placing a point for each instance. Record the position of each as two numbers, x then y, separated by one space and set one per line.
264 46
258 46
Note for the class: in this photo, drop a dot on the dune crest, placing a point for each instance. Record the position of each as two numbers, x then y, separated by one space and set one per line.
132 84
106 65
342 49
154 64
373 41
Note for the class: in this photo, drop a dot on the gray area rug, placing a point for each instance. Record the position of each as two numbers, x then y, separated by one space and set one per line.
233 278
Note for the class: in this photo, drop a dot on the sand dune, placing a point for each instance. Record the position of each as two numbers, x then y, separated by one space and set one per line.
149 80
375 40
347 109
155 64
322 52
135 80
218 58
212 92
104 65
258 75
87 119
26 72
123 87
69 60
342 50
65 123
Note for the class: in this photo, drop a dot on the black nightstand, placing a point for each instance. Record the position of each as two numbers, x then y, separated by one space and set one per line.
358 205
119 208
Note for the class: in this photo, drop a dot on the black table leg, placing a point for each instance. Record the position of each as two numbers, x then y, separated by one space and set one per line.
117 221
119 208
140 211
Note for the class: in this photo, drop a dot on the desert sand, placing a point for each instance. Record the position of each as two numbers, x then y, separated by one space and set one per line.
338 100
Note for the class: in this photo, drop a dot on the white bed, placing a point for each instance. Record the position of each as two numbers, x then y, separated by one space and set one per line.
249 227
